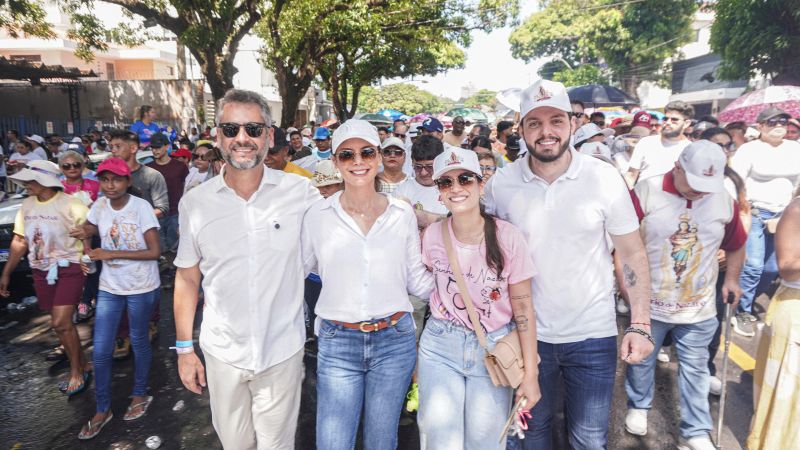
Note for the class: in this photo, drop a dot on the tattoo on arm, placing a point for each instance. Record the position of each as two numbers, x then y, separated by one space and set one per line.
629 275
520 297
522 322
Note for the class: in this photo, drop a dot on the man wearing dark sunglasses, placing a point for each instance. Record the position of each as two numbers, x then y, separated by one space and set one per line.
656 155
240 233
579 117
456 136
770 167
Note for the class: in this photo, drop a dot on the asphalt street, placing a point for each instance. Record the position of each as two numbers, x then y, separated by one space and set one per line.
35 415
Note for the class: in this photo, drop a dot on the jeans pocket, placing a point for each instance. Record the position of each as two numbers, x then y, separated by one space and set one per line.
326 330
405 325
434 327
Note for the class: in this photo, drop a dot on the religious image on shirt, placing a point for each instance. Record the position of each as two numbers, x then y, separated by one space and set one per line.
682 257
123 234
38 245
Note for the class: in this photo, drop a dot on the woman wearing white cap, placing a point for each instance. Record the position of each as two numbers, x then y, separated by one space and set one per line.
367 251
42 230
459 405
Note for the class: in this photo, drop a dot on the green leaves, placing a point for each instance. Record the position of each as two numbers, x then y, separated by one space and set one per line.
24 17
403 97
762 35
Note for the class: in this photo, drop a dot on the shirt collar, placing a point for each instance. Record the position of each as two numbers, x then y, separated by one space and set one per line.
572 172
668 184
268 177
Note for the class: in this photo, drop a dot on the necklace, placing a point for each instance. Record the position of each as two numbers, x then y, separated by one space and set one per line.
361 212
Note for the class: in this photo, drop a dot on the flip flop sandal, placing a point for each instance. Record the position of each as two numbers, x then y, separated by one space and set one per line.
145 404
94 430
64 384
87 378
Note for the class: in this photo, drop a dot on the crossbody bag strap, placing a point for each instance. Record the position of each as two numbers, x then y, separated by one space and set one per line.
462 286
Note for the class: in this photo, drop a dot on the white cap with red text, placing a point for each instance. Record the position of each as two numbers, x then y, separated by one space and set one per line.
544 93
454 158
704 163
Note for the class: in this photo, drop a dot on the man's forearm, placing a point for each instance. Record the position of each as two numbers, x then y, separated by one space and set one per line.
187 284
735 262
636 282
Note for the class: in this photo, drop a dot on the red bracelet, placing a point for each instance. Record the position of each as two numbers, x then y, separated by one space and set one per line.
640 323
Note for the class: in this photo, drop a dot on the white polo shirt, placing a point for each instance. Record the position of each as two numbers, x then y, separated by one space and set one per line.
652 156
771 174
565 224
364 277
249 254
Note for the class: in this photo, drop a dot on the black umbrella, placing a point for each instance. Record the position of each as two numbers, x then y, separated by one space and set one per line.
594 95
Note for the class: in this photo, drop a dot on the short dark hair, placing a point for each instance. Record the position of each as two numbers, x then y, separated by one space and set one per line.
483 129
295 132
741 126
577 102
426 148
485 155
144 109
685 109
504 125
384 129
124 135
16 133
711 132
710 119
598 114
26 143
481 141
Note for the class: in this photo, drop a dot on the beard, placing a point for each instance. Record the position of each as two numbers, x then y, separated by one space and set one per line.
671 134
243 165
547 158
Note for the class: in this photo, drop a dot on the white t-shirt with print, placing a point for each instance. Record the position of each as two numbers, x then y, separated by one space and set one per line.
124 230
653 157
425 198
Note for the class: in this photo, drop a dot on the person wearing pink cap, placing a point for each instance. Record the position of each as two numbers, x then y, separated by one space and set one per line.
366 247
687 216
567 205
129 282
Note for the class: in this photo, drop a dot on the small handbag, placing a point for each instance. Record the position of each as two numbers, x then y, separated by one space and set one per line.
504 363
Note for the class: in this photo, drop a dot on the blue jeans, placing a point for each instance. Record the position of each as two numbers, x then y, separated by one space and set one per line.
459 407
168 233
588 368
691 342
107 316
369 371
760 266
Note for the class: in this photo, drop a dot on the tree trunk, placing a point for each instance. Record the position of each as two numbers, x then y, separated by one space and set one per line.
218 70
292 89
180 59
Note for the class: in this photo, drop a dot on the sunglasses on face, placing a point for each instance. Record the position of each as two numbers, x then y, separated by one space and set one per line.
783 121
200 157
68 166
368 153
399 135
458 122
393 152
421 167
464 180
578 115
728 147
672 119
253 129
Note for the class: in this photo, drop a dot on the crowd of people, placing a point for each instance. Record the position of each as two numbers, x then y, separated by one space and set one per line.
410 257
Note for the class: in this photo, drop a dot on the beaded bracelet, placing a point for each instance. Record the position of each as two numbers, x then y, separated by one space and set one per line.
641 332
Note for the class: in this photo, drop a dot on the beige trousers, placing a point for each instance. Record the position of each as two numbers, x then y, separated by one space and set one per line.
255 410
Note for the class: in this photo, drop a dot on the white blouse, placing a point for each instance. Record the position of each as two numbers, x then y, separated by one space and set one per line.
364 277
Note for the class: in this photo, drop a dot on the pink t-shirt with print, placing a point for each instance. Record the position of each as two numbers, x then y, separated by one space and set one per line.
489 293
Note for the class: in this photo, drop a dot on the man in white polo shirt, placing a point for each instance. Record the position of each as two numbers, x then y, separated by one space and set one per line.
655 155
770 167
687 217
240 234
566 204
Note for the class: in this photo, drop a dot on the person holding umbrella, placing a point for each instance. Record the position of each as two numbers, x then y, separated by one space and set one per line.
770 167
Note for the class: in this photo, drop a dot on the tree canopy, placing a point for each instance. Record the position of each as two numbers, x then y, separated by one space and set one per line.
632 38
403 97
483 97
20 17
757 35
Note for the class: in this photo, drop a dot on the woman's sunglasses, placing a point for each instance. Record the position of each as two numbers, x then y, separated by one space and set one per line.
253 129
349 155
464 179
68 166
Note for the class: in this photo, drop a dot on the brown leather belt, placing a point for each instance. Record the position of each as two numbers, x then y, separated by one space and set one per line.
369 327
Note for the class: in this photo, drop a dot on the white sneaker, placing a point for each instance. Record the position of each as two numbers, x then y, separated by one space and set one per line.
636 421
714 386
697 443
662 356
622 307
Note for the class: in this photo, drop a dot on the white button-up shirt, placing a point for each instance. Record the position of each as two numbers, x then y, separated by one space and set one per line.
565 223
249 254
364 277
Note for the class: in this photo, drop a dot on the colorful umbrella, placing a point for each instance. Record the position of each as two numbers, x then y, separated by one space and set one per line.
390 113
747 107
